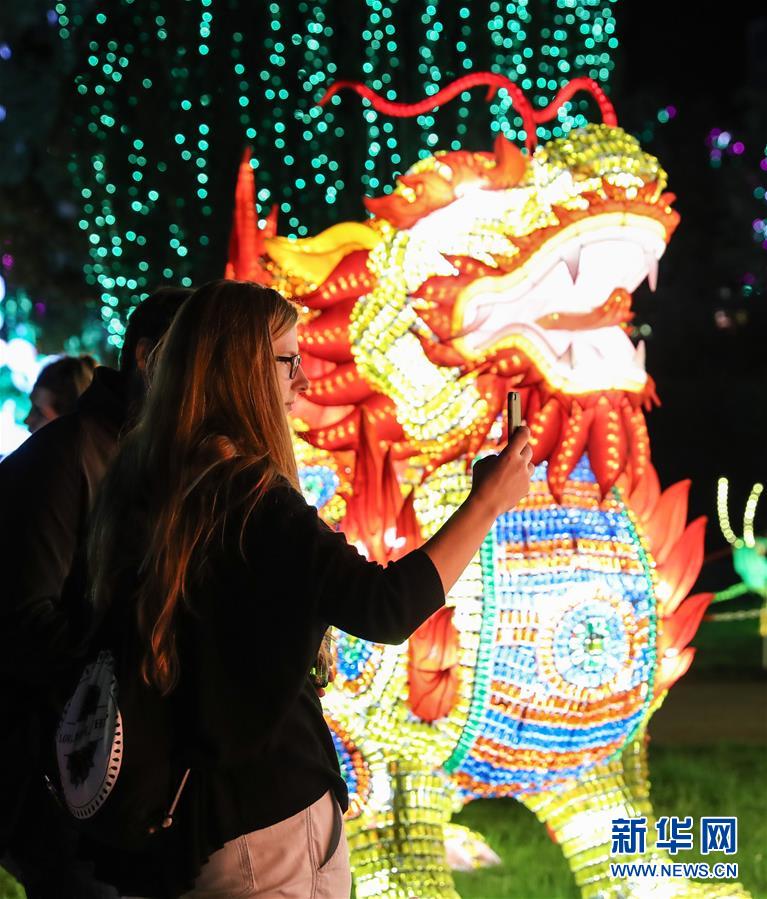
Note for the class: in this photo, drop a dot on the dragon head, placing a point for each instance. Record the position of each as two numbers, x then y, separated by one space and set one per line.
560 251
483 272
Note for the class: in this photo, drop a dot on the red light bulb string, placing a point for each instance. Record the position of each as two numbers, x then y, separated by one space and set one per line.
530 117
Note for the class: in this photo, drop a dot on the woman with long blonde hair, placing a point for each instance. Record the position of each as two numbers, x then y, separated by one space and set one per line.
225 580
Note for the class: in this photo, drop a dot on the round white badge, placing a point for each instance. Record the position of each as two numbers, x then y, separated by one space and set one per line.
89 741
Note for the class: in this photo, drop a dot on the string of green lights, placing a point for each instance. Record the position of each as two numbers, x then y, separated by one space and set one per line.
166 104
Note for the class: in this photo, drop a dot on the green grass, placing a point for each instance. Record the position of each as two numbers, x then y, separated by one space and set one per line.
532 864
732 649
711 780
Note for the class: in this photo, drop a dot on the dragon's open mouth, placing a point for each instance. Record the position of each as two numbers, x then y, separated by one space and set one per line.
565 306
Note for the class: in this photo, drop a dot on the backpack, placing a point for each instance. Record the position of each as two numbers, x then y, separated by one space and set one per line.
117 771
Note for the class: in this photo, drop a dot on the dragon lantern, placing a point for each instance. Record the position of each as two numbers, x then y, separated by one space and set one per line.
484 272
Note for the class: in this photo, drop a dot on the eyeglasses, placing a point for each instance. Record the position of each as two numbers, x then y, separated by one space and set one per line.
293 361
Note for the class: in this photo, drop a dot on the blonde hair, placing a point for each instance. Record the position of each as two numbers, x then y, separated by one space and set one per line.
214 410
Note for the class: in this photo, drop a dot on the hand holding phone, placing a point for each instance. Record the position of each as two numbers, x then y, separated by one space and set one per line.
514 413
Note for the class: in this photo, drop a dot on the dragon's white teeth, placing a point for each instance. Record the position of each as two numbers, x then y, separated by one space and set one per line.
652 270
640 355
568 358
477 317
581 356
470 314
572 259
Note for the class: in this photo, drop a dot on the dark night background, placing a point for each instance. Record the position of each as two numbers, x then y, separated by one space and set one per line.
711 379
706 349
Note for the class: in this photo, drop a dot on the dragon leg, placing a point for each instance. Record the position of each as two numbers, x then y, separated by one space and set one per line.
580 819
400 852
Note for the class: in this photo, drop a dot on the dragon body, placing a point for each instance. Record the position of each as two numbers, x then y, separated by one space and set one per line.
480 273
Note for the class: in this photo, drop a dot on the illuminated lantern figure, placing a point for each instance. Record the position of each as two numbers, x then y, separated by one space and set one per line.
749 555
484 272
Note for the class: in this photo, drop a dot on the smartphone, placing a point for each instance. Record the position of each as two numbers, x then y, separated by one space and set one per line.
319 673
514 413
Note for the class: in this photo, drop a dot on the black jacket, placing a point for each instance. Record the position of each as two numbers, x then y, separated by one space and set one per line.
250 720
46 487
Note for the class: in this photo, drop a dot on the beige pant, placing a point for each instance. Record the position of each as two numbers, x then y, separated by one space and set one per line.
303 857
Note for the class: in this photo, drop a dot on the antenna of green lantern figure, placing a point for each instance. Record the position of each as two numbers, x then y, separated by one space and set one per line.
750 514
748 541
749 556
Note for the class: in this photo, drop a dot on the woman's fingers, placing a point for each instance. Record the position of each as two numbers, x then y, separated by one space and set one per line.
517 443
507 475
520 437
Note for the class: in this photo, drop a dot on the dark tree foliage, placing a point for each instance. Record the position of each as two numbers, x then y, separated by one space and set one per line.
41 251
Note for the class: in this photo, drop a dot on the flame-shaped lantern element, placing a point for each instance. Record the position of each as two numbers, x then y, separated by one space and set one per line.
433 667
246 244
677 548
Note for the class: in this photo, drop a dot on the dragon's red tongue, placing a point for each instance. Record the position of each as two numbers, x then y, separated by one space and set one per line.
616 310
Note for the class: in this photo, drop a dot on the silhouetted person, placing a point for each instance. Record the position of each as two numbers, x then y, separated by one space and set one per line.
46 489
57 389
